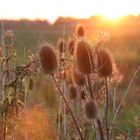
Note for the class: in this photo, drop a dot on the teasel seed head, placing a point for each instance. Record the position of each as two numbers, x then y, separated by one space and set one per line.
48 59
71 46
80 31
84 57
79 78
61 45
104 64
72 92
90 109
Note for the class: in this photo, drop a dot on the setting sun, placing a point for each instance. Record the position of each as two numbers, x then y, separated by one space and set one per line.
52 9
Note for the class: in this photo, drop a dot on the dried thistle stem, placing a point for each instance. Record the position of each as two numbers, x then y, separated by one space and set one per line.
67 104
98 120
90 87
106 109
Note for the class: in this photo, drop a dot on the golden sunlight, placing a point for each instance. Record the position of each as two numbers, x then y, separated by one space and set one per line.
52 9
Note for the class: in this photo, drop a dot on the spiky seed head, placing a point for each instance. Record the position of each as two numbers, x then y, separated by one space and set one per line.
31 84
72 92
71 46
61 45
105 67
84 57
48 59
80 31
90 109
82 95
79 78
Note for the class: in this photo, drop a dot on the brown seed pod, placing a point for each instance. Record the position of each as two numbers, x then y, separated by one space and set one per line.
84 57
72 92
104 64
82 95
61 45
80 31
90 110
31 84
48 59
79 78
71 46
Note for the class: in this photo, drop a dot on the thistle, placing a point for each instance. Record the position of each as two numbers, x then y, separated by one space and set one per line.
84 57
90 110
48 59
80 31
105 67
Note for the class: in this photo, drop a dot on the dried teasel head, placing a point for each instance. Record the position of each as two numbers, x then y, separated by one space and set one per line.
104 64
61 45
72 92
80 31
71 46
79 78
48 59
90 110
84 57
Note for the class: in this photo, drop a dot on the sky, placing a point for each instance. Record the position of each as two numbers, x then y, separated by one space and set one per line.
52 9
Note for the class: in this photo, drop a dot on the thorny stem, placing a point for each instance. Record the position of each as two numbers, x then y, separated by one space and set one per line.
67 104
90 87
100 129
98 121
106 109
5 124
125 94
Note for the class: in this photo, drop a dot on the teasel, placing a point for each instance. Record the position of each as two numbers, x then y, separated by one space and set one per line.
91 113
72 92
104 64
84 57
61 45
90 110
48 59
80 31
79 78
105 69
71 46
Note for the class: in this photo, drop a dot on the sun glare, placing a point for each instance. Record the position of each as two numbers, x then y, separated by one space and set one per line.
52 9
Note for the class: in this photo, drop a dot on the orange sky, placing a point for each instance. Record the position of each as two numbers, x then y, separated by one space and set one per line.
52 9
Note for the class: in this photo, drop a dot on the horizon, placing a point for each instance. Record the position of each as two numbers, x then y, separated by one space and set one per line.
65 17
52 9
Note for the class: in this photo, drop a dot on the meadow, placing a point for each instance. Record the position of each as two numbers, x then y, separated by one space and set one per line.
123 43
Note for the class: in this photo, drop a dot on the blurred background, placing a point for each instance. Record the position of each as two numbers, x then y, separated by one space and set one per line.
35 21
